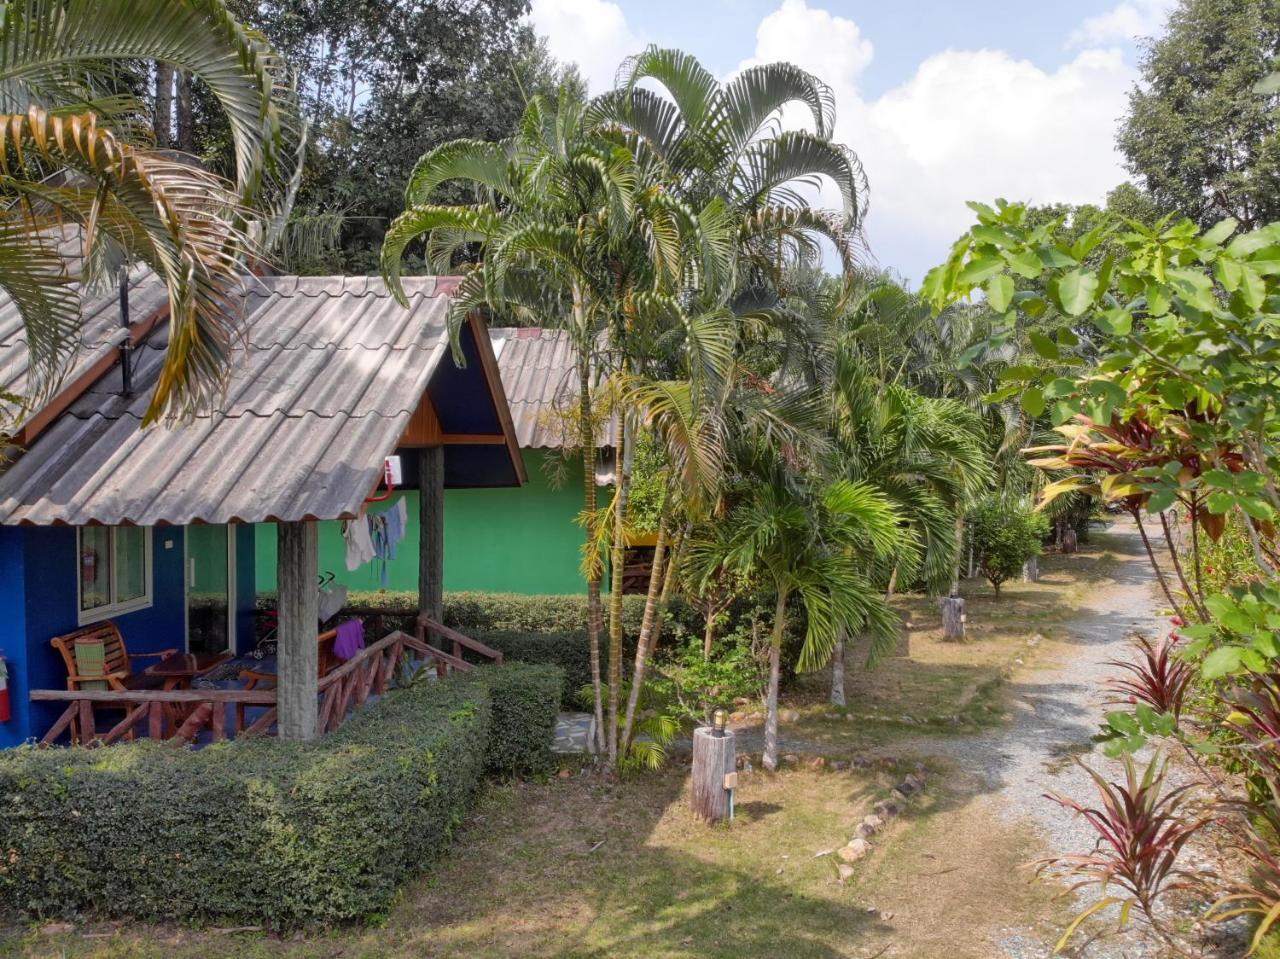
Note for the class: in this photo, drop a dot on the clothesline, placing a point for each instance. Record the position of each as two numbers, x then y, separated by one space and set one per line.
375 537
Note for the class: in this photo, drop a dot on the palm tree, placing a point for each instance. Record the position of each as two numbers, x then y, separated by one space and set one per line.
723 140
79 150
801 539
572 232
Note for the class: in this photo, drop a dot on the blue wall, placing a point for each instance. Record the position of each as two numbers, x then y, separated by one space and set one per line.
13 631
38 597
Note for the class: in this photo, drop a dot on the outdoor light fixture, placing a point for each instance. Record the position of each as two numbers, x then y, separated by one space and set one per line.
719 720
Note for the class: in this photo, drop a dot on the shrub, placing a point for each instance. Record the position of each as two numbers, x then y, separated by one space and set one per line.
571 652
1005 535
261 830
525 701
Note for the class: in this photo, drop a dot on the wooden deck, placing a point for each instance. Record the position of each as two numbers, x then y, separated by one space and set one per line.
182 715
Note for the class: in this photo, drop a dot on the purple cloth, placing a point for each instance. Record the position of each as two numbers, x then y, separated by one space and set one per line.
350 639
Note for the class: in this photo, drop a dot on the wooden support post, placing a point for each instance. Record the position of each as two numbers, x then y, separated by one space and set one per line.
298 665
714 774
1031 570
953 618
431 531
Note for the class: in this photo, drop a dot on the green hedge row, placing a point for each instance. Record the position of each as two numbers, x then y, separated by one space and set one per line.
260 830
570 651
485 612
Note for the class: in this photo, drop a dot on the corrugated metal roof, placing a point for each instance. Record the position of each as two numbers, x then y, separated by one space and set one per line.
100 332
330 373
539 376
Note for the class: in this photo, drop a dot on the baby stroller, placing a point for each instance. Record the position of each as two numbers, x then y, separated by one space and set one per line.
333 596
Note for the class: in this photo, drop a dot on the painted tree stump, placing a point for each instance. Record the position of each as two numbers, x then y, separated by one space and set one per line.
1069 541
952 618
714 774
1031 570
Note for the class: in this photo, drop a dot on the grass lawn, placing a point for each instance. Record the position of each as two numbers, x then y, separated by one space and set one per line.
579 867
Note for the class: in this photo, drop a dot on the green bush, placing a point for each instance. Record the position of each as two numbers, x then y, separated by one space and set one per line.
260 830
525 701
1005 535
570 652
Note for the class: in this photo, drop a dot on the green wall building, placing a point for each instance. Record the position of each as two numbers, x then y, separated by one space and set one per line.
522 540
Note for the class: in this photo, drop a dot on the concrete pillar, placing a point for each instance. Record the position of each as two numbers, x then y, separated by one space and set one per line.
431 531
297 655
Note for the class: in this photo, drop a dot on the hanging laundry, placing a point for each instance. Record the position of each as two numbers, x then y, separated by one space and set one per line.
359 542
397 521
349 639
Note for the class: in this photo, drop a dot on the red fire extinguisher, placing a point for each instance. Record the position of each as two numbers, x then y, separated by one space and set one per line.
4 691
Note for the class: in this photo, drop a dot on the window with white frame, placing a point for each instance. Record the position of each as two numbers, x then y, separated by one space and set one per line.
113 569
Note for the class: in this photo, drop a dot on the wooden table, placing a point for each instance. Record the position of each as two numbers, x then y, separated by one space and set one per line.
177 670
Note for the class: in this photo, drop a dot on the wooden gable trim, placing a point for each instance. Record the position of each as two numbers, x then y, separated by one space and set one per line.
424 426
489 364
62 400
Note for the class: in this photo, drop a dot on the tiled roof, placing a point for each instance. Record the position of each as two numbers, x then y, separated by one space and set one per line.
330 373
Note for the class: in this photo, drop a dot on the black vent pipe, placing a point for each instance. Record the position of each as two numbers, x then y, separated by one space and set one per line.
126 345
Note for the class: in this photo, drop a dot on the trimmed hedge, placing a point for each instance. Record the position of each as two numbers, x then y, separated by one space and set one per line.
569 651
260 830
525 702
470 612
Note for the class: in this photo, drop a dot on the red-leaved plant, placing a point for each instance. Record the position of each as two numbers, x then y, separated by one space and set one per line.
1156 676
1258 892
1141 829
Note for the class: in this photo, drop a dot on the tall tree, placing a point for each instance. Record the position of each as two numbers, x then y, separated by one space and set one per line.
382 82
1197 135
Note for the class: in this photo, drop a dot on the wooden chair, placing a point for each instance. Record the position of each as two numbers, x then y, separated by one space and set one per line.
261 679
118 672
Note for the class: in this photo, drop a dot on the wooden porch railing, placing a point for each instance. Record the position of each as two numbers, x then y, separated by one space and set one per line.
428 627
180 715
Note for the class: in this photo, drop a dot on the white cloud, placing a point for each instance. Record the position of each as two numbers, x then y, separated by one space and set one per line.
592 33
967 125
1123 23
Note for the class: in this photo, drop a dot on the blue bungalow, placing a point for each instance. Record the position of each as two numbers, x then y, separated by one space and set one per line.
151 529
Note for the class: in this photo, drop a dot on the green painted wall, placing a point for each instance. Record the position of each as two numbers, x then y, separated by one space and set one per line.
520 540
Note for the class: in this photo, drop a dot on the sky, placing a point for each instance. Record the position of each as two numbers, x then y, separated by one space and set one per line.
944 101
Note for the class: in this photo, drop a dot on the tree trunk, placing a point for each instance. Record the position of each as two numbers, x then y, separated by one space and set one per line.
1155 564
952 618
647 625
587 437
708 633
959 533
1031 570
1069 541
770 758
837 672
163 119
1201 612
186 132
617 561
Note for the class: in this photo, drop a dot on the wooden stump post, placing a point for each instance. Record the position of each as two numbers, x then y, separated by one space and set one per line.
297 655
714 774
952 618
1031 570
431 532
1069 541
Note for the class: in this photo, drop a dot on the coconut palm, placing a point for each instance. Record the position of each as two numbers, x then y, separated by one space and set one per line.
801 540
78 152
